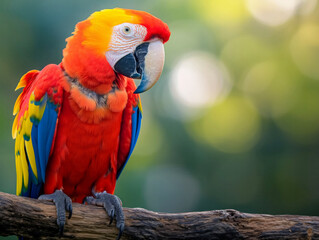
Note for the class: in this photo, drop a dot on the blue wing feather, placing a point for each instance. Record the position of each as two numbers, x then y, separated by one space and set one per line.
53 116
136 126
46 130
35 190
42 134
34 139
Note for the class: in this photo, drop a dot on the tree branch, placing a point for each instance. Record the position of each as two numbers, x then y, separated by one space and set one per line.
33 218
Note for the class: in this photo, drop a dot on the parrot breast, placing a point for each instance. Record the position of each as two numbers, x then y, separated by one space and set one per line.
85 150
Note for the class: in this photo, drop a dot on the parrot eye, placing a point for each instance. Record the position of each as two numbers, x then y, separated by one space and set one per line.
127 30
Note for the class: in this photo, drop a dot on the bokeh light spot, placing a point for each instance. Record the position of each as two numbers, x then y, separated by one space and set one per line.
231 126
198 81
305 50
274 12
223 12
272 91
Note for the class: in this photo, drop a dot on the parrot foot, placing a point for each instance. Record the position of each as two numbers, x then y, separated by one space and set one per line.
62 203
113 206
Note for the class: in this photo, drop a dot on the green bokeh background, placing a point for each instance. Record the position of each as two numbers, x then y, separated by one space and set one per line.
254 148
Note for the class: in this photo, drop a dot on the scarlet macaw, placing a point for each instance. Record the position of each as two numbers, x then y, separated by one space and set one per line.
77 123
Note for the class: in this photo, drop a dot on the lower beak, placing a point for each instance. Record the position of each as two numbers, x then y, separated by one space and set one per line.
146 63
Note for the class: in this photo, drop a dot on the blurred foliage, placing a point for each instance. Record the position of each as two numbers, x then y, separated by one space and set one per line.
238 130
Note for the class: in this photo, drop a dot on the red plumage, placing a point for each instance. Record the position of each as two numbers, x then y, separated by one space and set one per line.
85 153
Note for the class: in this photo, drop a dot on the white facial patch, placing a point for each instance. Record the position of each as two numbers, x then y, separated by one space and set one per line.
125 38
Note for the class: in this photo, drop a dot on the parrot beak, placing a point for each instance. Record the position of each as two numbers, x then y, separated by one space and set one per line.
146 63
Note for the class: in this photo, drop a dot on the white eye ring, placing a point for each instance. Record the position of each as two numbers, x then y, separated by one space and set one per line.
126 30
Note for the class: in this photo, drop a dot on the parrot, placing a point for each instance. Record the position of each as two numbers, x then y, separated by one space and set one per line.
77 122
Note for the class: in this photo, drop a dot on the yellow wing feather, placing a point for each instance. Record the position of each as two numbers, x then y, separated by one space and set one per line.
24 163
17 104
31 157
23 148
19 175
15 127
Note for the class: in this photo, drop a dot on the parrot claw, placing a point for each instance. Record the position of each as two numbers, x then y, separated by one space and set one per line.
62 203
113 206
111 216
121 229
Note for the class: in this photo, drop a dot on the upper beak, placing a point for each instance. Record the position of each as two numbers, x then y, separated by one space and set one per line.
146 63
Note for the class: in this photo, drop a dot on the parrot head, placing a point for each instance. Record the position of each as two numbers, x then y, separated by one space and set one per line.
117 42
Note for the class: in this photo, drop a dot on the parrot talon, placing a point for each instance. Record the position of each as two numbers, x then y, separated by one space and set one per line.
70 210
62 203
121 229
113 206
111 214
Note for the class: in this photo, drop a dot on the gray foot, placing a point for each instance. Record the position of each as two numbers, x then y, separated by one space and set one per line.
113 206
62 203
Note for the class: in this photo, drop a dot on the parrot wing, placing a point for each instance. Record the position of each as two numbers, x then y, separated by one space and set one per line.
36 109
131 125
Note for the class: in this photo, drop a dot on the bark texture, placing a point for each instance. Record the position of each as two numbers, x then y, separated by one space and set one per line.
33 218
